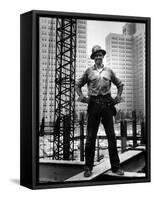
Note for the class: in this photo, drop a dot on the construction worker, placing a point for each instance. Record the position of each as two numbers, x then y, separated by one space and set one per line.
100 108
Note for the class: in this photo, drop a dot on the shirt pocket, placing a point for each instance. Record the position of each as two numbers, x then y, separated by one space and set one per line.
106 81
93 80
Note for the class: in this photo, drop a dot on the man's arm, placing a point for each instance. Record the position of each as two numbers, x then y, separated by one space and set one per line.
119 93
79 91
81 98
119 86
120 90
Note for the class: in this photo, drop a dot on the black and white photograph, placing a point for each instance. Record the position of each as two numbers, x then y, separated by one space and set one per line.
92 100
76 100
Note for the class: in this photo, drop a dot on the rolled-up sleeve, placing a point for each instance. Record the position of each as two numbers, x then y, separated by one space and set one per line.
115 80
82 80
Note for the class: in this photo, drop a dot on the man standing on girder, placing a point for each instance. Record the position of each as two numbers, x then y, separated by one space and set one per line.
100 108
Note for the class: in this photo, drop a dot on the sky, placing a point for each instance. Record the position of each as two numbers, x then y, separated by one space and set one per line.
98 30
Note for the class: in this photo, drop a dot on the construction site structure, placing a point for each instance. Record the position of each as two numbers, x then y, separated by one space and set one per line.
63 144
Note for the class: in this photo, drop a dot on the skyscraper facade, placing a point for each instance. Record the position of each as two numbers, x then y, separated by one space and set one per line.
81 60
120 58
140 65
126 56
47 47
47 64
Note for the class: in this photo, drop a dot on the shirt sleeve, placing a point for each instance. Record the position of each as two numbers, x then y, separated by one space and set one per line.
115 80
82 80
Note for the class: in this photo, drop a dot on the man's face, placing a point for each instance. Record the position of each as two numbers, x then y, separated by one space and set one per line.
98 58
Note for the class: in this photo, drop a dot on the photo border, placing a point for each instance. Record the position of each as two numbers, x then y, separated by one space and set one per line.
29 115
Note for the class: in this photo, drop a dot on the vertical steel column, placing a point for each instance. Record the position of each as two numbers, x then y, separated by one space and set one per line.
81 122
65 87
123 131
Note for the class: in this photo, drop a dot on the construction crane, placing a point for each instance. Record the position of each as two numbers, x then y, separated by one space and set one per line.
63 145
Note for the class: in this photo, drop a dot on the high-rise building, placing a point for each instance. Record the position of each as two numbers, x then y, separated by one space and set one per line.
81 60
139 65
47 46
119 57
126 56
129 29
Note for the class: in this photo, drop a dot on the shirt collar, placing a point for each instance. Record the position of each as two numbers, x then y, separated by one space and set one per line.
94 67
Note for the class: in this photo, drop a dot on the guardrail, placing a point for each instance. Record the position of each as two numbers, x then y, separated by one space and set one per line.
128 131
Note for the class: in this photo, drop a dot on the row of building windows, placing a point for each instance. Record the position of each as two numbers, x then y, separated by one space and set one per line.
47 93
43 87
50 42
81 27
123 55
48 107
82 42
82 37
122 39
81 22
45 81
126 51
49 99
121 63
82 51
44 33
44 69
48 20
123 48
82 56
49 57
81 31
49 51
44 27
45 63
49 74
122 43
47 111
43 39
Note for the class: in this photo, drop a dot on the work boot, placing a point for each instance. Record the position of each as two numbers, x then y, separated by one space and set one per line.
87 172
118 171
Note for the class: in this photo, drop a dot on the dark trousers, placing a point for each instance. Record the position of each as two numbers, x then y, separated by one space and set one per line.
100 111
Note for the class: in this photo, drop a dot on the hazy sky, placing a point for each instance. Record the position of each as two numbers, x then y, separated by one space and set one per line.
98 30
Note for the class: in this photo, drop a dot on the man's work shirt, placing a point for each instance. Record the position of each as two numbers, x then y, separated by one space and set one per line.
98 81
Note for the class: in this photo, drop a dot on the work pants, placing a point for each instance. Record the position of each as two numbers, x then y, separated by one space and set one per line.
100 111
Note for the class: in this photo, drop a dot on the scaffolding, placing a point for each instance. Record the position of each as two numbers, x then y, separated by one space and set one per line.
63 144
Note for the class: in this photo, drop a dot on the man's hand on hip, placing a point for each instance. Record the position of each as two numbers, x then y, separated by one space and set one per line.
118 99
83 99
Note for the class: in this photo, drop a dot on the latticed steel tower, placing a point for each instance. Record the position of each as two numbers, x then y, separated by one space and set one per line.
63 145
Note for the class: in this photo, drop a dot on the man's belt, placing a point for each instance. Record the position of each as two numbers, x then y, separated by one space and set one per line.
100 99
106 100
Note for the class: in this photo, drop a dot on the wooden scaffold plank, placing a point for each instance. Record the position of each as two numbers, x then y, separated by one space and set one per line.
105 166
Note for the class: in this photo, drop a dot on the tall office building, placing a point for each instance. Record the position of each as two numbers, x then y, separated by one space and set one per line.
126 56
47 47
139 65
120 58
47 64
81 60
